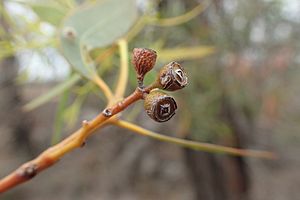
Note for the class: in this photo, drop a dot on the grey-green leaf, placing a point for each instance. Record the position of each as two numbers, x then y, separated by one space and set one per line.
60 88
48 13
95 25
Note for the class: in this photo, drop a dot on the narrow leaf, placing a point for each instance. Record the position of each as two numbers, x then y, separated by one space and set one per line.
71 114
207 147
58 122
185 53
52 93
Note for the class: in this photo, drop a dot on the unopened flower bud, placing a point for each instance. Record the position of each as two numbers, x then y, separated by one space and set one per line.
172 77
160 106
143 61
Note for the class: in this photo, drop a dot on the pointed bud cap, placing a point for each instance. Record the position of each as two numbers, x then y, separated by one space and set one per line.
143 60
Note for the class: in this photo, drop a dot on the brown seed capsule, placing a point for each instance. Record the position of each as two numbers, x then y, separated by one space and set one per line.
172 77
160 106
143 61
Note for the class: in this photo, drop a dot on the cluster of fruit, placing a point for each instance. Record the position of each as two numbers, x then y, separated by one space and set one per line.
159 106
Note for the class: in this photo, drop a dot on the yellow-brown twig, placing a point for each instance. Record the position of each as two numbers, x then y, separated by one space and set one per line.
109 115
103 86
173 21
122 82
108 52
213 148
77 139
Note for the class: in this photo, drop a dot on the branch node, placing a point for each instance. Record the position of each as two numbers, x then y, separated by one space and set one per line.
85 123
107 112
120 103
83 144
28 172
143 90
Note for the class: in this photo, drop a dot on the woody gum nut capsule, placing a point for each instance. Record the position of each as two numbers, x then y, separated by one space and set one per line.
172 77
160 106
143 60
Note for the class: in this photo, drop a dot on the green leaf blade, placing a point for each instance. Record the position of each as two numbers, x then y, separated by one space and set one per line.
95 25
48 13
60 88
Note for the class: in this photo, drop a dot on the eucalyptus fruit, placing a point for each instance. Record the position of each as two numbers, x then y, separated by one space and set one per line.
160 106
172 77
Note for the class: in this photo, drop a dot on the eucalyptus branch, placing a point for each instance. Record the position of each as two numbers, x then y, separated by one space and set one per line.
77 139
158 105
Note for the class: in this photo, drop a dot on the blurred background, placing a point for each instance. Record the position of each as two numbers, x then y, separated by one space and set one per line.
242 59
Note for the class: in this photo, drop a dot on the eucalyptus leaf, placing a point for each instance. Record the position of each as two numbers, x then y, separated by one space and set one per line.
71 114
60 88
48 13
58 122
95 25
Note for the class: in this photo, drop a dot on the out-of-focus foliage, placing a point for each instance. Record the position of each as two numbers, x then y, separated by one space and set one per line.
53 92
93 26
235 52
241 57
49 12
246 76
